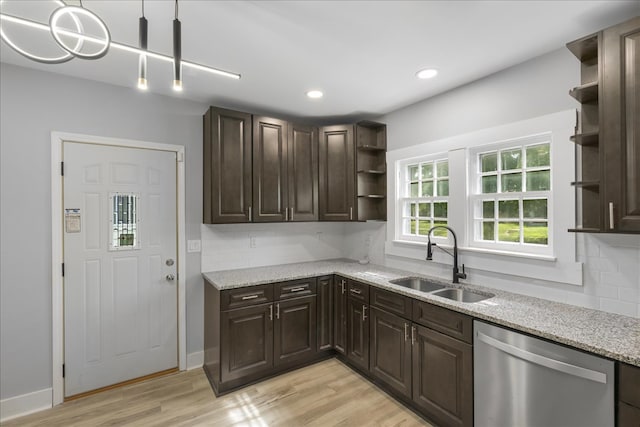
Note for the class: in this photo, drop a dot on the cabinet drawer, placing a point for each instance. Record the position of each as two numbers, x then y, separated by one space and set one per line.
449 322
295 288
359 291
242 297
629 384
391 302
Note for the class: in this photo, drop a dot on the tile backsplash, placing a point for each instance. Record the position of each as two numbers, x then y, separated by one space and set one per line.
611 263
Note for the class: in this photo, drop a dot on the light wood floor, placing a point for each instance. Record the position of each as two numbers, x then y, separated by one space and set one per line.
325 394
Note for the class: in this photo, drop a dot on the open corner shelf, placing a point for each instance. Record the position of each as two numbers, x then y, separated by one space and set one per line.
586 139
585 93
371 167
585 49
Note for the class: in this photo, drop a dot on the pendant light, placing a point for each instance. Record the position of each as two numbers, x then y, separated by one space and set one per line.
142 60
177 53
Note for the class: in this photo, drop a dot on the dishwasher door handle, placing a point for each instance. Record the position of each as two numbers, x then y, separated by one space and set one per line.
538 359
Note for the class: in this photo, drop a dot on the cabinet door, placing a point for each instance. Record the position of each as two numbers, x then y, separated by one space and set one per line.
620 126
340 315
442 377
246 341
390 350
303 173
325 313
337 174
227 166
269 170
358 333
295 330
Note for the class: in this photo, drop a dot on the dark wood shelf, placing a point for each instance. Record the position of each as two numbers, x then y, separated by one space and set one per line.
372 172
586 184
586 139
585 93
584 230
371 148
585 48
372 196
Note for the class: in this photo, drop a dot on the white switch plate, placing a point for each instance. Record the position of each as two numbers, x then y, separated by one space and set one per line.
193 246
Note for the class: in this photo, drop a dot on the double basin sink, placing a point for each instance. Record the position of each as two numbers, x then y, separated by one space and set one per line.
437 289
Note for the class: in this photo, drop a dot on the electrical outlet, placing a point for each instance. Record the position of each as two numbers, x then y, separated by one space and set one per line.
367 240
252 241
194 246
319 235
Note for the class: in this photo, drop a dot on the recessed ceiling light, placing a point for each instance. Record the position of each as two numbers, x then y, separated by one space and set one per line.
315 94
427 73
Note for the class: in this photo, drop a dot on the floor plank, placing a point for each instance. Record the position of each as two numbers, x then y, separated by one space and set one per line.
325 394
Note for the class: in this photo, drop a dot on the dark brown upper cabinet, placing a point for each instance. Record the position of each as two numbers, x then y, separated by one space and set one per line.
608 130
337 179
270 178
303 173
371 171
227 166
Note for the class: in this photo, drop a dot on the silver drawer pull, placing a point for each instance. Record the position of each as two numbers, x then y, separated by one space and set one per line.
297 289
249 297
356 291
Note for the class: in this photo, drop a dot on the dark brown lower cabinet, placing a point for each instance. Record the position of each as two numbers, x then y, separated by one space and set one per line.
294 336
628 392
442 377
325 313
390 352
340 315
247 335
358 333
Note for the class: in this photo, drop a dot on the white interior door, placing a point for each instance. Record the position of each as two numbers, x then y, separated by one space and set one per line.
120 250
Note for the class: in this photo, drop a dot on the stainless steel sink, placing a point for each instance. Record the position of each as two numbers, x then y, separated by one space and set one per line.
462 295
418 283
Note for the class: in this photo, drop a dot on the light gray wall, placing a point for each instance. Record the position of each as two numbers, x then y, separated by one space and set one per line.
32 104
531 89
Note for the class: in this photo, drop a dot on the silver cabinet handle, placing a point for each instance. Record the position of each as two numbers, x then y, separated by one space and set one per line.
271 312
277 310
413 335
364 313
291 214
406 332
343 287
356 291
351 213
547 362
297 289
286 214
250 217
249 297
611 218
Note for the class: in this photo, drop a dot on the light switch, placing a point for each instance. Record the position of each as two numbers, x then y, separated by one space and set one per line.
193 246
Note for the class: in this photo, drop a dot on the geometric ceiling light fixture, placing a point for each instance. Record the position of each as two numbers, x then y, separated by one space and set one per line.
177 53
80 33
142 60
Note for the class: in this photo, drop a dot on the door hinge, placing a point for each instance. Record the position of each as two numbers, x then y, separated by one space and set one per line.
63 269
63 371
62 168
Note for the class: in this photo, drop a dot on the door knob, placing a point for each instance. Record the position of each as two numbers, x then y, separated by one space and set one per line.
169 262
170 277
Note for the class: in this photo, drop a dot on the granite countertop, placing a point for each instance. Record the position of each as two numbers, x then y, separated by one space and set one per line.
606 334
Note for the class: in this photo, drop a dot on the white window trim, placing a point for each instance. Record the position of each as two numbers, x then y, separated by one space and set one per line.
560 268
474 195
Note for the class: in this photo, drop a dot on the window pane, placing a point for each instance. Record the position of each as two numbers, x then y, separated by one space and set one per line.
488 209
489 184
511 159
412 229
412 209
511 182
413 192
536 233
509 232
424 227
443 187
427 188
413 173
440 210
538 155
425 209
508 209
538 181
536 208
443 168
125 221
440 232
489 162
427 170
488 230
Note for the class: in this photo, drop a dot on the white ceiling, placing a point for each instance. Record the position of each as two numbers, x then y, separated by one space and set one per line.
362 54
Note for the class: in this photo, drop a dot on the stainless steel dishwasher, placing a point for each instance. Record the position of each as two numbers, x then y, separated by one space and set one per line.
521 381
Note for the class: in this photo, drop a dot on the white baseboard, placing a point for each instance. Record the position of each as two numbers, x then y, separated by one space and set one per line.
25 404
195 360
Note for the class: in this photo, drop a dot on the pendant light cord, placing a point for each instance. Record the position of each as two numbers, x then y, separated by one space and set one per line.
176 9
143 8
81 4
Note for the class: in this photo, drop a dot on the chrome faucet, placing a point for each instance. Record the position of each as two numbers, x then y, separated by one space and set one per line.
456 274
